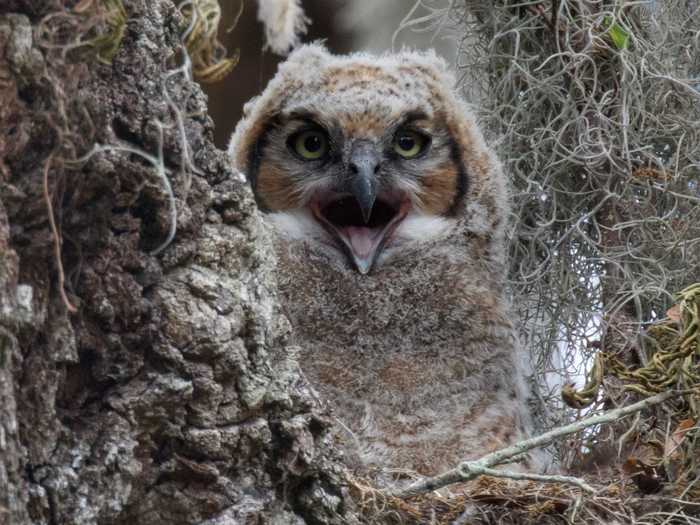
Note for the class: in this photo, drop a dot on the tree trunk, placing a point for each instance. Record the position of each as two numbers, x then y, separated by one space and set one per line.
171 394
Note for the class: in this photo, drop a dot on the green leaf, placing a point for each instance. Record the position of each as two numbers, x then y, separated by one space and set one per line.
619 35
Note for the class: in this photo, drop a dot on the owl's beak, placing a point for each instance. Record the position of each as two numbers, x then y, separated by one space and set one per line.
363 167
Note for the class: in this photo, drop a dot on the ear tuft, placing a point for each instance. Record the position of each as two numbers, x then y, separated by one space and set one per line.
309 55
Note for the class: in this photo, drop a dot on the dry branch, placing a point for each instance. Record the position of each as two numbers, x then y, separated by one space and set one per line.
468 470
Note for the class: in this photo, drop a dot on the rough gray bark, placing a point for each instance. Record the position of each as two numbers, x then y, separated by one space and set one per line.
172 394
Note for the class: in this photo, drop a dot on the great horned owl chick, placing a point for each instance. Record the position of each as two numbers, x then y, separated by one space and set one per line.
390 213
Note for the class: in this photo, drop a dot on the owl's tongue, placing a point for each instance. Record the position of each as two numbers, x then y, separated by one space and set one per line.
363 241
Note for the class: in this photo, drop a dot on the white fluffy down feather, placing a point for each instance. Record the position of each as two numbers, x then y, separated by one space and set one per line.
284 22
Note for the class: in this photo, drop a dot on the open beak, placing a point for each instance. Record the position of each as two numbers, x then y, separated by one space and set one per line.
359 216
342 216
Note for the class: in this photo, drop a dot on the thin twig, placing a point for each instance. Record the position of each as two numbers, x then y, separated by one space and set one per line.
471 470
468 470
56 238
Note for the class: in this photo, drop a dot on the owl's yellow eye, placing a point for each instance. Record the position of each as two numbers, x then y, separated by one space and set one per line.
311 145
408 143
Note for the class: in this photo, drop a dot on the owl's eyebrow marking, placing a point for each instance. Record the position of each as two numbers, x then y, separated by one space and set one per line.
408 118
412 116
306 116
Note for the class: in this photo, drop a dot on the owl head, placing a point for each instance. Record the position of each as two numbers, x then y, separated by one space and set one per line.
362 156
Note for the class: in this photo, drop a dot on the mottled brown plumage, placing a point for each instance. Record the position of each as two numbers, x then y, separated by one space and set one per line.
389 212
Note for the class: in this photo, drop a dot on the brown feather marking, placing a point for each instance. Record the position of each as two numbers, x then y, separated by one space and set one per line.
361 126
439 188
339 377
349 74
501 430
277 187
364 78
250 138
425 457
473 156
428 73
403 374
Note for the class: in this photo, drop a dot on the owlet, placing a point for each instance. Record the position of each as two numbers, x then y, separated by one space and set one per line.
389 212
